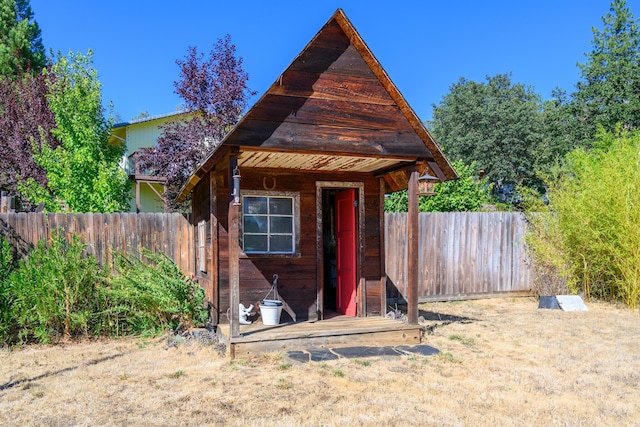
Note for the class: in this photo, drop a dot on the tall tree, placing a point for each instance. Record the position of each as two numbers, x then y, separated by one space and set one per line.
21 47
494 124
24 117
215 92
84 170
609 90
561 133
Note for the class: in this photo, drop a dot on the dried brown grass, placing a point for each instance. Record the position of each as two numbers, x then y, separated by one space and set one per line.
503 362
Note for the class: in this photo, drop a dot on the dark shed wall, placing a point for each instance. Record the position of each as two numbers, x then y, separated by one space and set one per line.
297 273
201 212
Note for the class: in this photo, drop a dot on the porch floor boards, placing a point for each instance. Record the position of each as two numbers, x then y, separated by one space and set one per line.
338 331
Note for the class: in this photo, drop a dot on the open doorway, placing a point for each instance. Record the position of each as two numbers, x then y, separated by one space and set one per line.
340 258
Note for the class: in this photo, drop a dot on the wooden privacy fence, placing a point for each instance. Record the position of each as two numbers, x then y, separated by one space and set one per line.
171 234
462 254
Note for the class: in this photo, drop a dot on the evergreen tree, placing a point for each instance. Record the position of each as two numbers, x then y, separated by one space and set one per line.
21 47
609 90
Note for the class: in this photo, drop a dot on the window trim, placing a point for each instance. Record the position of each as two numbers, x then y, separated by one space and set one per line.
295 196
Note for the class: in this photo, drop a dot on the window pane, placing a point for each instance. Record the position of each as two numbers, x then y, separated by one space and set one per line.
255 205
255 243
281 243
279 205
281 224
255 224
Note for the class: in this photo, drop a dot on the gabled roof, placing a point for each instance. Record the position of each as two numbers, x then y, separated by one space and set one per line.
333 109
149 119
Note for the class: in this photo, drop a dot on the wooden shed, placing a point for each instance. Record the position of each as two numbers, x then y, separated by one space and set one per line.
312 161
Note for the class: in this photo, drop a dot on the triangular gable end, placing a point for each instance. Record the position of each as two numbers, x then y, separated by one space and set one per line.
336 99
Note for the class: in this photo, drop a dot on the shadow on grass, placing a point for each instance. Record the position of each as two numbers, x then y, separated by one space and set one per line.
437 320
431 320
60 371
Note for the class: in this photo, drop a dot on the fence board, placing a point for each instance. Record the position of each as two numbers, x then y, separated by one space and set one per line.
461 255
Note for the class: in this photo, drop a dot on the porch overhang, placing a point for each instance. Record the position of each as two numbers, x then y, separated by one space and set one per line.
393 169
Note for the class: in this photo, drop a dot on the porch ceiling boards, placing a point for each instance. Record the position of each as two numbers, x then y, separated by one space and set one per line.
313 162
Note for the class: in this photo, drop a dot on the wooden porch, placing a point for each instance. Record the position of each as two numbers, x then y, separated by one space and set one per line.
337 331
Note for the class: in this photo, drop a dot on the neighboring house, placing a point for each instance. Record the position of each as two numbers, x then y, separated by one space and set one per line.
311 163
146 190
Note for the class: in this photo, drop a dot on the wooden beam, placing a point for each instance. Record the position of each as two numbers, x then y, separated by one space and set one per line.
328 139
234 254
160 196
247 151
412 242
383 257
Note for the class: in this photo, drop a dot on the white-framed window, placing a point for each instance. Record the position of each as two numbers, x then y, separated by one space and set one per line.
202 239
269 222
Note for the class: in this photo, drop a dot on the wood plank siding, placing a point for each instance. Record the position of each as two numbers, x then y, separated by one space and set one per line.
297 283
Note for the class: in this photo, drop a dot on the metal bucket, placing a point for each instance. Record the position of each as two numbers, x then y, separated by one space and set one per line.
270 313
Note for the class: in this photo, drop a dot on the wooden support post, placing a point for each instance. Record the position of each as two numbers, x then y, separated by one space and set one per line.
234 255
412 242
383 255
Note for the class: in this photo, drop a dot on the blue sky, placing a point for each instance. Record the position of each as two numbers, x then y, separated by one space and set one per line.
425 46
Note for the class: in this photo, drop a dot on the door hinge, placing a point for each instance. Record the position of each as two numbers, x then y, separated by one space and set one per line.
355 203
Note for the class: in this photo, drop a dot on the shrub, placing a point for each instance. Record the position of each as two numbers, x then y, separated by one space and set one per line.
59 291
7 264
589 234
466 194
148 294
52 291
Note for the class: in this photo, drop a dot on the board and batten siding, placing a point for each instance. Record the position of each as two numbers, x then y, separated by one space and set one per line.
171 234
462 254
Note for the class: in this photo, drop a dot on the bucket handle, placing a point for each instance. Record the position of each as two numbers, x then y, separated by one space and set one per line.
274 289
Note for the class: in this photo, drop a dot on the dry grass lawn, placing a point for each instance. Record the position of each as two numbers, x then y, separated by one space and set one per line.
502 362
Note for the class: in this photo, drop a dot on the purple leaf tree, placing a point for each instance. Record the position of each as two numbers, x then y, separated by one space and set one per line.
25 118
215 93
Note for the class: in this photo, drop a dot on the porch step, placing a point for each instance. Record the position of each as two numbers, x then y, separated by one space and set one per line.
341 331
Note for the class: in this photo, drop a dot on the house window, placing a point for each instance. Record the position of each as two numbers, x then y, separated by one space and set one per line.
269 224
202 238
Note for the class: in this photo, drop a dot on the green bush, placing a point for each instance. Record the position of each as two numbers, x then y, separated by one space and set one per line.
59 292
149 294
7 264
589 235
51 292
466 194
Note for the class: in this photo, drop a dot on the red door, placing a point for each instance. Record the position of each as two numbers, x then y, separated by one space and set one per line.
346 252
